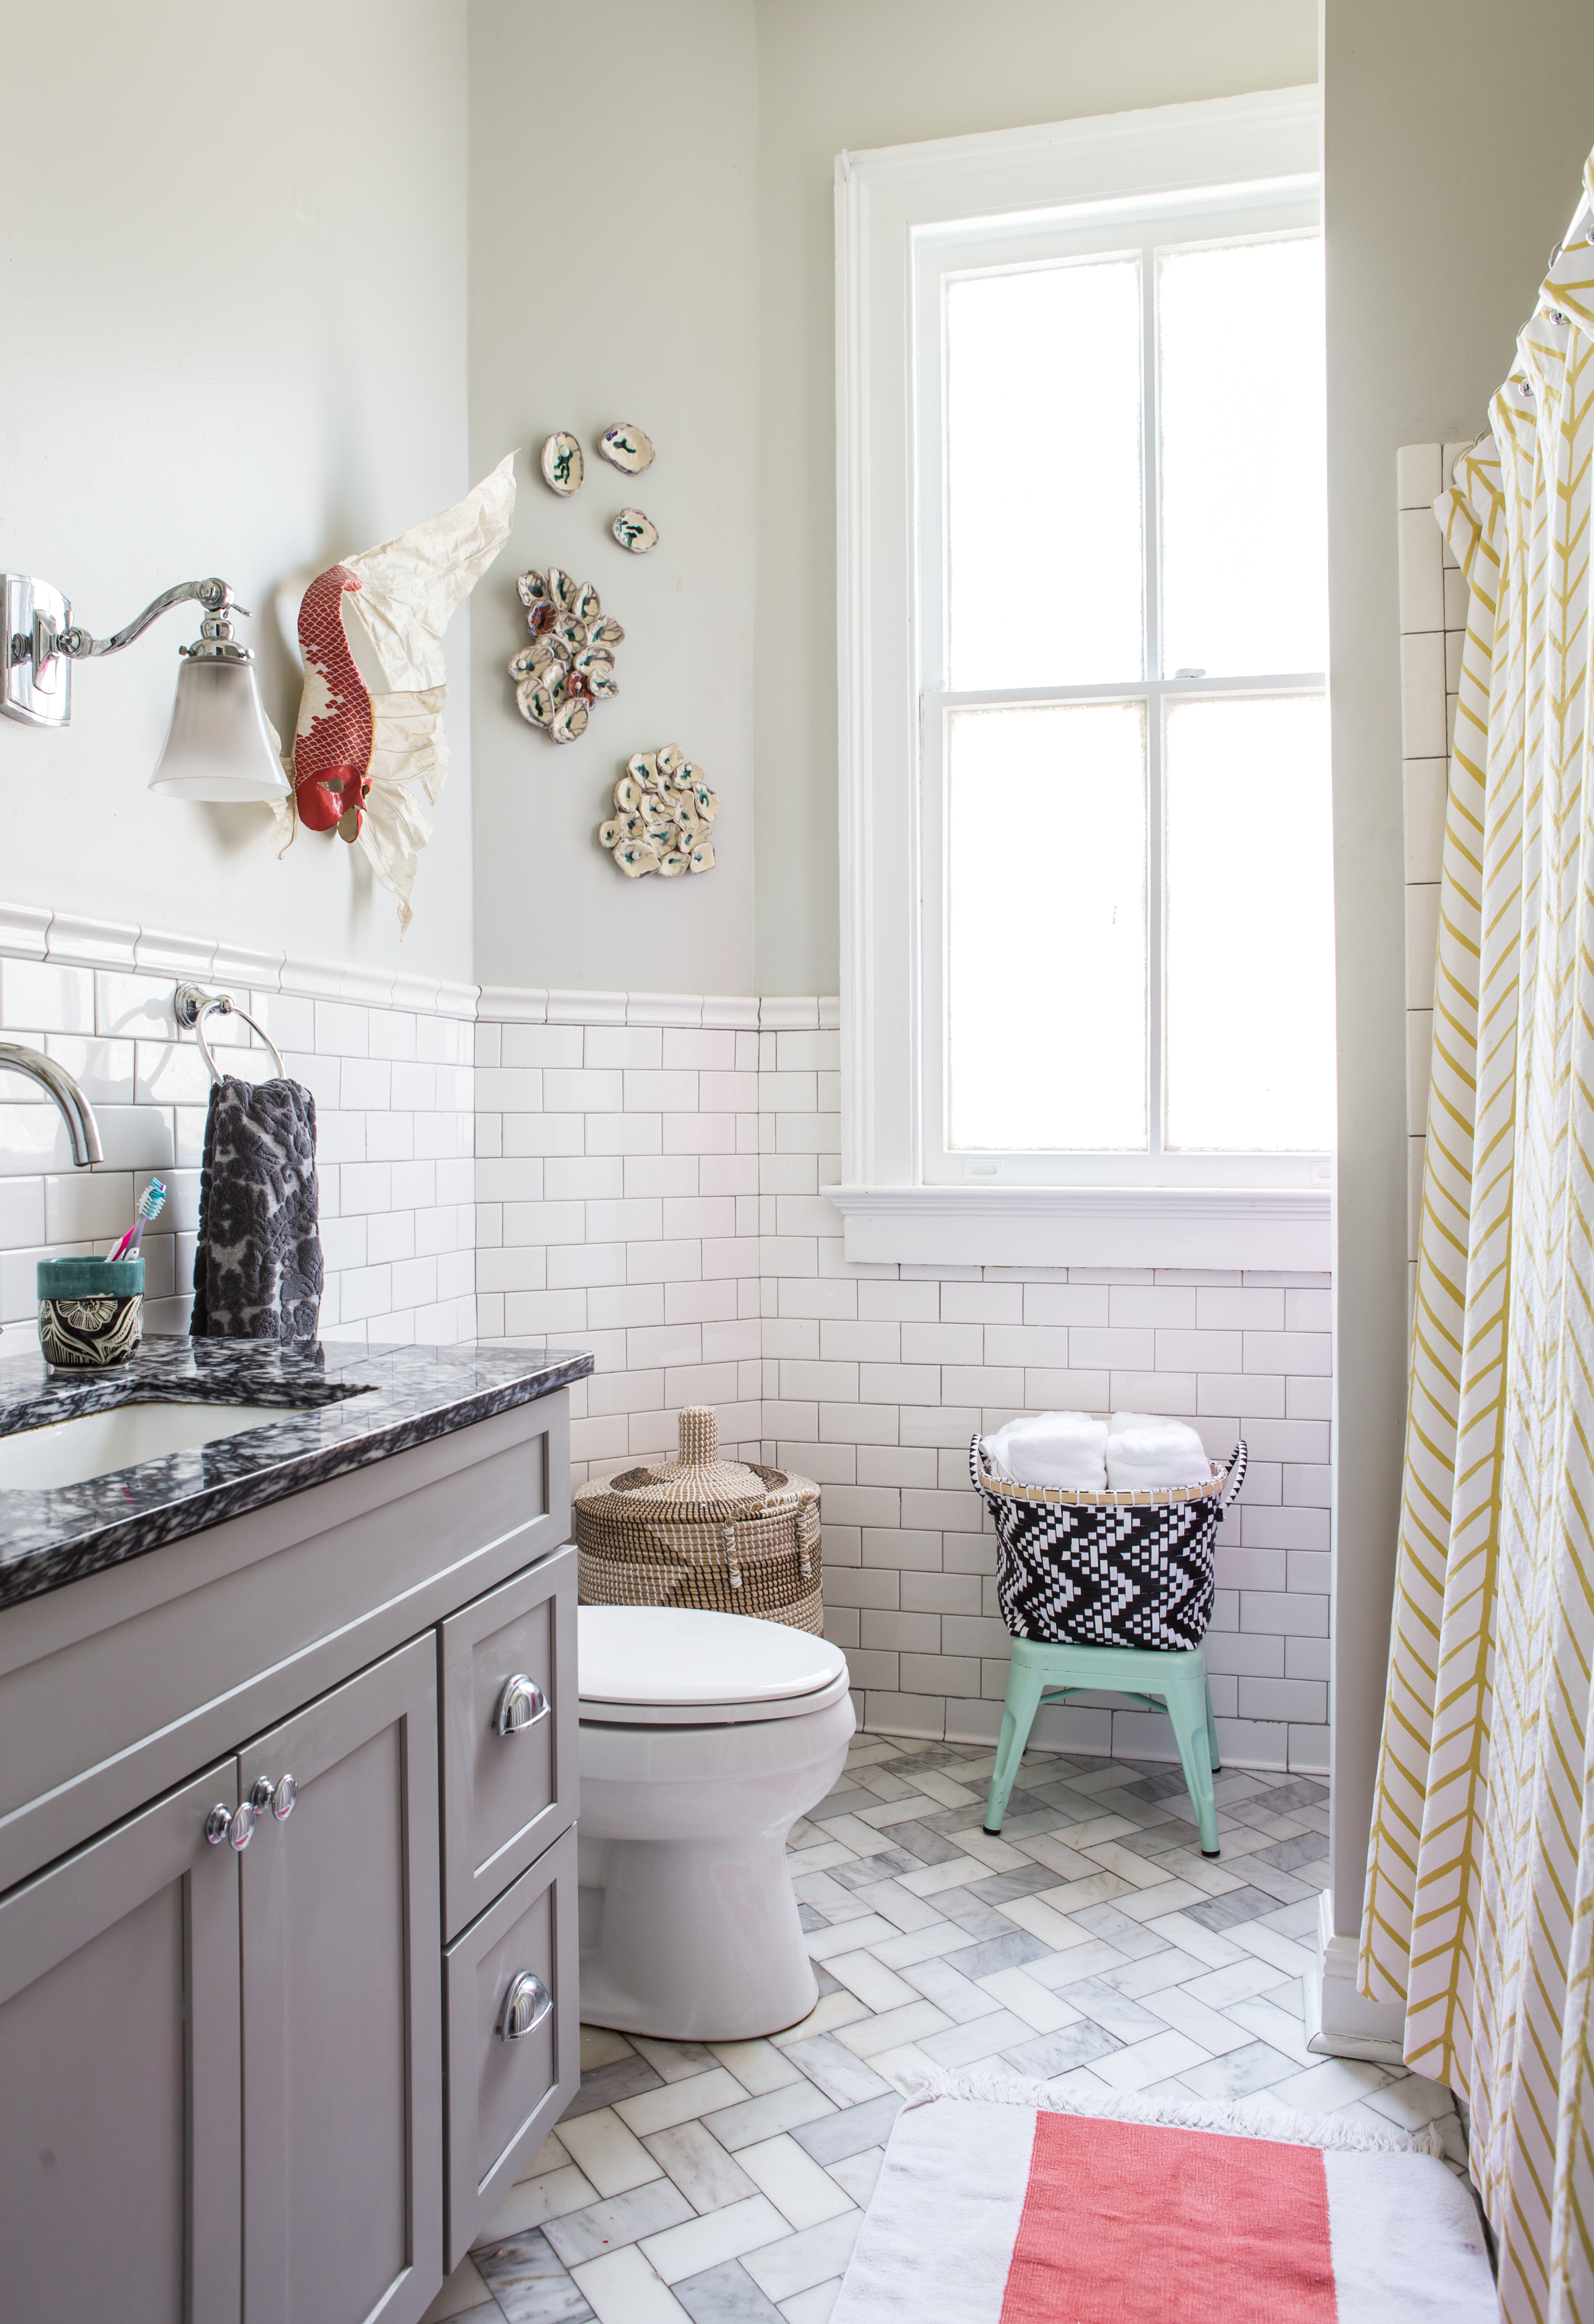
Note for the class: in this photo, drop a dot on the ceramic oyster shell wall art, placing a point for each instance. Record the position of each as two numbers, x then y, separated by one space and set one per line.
635 531
569 664
562 464
626 448
664 816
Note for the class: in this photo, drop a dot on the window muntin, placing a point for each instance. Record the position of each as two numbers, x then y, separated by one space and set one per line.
1022 606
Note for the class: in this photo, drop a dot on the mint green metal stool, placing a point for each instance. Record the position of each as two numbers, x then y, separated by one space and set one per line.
1041 1673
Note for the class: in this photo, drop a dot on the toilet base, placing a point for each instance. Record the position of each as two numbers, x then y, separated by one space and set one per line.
689 1923
746 1971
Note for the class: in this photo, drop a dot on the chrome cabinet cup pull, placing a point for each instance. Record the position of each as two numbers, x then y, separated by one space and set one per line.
520 1705
279 1797
525 2005
236 1826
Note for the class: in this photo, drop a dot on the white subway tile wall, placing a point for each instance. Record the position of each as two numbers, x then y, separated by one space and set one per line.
654 1195
617 1209
388 1062
640 1176
1432 624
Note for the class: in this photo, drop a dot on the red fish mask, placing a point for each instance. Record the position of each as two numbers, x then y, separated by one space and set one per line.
332 749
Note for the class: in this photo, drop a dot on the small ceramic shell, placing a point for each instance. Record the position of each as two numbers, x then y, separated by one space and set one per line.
703 856
562 589
706 802
562 466
588 606
635 531
535 701
598 669
607 632
569 720
534 656
628 794
635 858
673 864
671 759
626 448
610 834
633 827
567 636
685 817
533 588
642 766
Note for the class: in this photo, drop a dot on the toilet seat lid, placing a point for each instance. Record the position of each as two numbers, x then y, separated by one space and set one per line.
673 1664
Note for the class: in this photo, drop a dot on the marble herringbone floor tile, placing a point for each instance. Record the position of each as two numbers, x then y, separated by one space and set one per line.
1092 1944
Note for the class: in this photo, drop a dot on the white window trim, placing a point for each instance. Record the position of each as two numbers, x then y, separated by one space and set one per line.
1247 144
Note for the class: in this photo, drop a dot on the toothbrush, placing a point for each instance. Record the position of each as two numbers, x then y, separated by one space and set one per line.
149 1207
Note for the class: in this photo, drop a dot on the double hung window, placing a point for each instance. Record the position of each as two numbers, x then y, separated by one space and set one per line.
1090 914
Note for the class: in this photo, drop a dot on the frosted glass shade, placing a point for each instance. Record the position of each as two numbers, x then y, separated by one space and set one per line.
220 745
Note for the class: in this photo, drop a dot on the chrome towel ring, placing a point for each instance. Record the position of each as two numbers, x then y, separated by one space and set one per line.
191 1006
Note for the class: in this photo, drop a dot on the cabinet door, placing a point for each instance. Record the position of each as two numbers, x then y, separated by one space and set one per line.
342 2037
506 2091
506 1794
120 2173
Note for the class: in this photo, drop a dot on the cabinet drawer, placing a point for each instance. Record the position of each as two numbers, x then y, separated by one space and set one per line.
505 2094
506 1794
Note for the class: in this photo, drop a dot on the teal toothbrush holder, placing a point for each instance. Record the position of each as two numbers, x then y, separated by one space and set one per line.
90 1311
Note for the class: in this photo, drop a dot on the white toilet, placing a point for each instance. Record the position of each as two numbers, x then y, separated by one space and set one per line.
704 1736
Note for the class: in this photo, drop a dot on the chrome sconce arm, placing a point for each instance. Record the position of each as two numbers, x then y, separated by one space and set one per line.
39 635
216 596
220 746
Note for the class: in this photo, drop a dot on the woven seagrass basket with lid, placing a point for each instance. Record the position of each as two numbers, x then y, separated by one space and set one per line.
729 1537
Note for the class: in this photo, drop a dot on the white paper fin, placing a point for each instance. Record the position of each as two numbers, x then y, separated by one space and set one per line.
409 586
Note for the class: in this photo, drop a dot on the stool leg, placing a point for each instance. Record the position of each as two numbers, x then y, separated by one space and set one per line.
1213 1753
1025 1687
1187 1708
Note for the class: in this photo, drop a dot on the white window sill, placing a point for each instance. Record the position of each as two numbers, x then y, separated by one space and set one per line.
1286 1229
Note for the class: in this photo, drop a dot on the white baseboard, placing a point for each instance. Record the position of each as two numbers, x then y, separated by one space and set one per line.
1340 2022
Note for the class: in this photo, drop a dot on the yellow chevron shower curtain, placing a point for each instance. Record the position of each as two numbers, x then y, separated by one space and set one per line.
1480 1871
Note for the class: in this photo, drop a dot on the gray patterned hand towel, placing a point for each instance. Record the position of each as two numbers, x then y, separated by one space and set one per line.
258 1269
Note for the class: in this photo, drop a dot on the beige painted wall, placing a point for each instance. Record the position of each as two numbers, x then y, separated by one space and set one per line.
614 276
233 342
1455 140
837 74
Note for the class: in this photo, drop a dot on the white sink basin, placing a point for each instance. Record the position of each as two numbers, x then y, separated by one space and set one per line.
70 1452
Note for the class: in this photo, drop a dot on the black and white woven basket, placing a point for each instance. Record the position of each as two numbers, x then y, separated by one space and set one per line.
1107 1569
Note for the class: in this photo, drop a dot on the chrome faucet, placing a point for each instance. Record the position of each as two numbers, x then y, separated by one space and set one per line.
75 1109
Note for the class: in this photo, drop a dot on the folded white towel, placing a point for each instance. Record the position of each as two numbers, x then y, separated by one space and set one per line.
1122 1422
1051 1448
1161 1453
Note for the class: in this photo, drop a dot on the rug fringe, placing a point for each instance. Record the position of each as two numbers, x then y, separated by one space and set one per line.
1254 2117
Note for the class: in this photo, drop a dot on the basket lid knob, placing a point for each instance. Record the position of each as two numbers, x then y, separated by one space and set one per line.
699 1433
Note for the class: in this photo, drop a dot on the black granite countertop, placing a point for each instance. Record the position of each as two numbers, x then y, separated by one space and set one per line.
341 1410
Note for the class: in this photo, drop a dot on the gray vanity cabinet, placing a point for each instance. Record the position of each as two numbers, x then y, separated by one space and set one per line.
120 2177
343 2131
227 2095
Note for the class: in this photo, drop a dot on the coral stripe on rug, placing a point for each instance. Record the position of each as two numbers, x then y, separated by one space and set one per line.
1010 2203
1128 2223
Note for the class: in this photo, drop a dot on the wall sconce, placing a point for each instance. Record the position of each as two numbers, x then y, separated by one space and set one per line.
220 745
